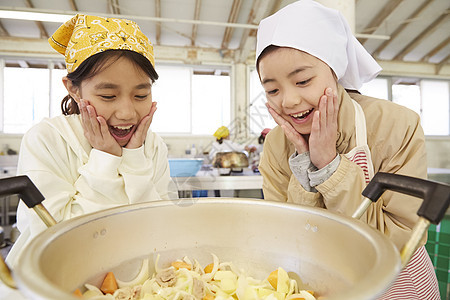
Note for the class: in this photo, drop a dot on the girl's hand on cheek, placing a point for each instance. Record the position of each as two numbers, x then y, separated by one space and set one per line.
96 130
322 141
140 134
293 136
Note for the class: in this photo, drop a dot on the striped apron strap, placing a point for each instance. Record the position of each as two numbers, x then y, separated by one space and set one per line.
361 153
417 281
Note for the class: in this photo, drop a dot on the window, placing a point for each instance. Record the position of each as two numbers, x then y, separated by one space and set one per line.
407 95
377 88
435 107
58 91
187 103
190 103
210 103
26 94
172 92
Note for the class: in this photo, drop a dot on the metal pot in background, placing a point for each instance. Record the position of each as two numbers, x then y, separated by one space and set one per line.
332 254
230 161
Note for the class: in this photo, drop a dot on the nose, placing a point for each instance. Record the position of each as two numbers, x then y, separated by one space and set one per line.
125 110
291 97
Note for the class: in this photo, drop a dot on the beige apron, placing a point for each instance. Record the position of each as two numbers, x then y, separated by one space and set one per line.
417 281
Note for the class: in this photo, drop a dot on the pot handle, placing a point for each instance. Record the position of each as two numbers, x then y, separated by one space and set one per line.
435 195
29 193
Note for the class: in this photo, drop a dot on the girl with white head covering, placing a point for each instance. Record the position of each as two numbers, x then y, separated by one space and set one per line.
331 139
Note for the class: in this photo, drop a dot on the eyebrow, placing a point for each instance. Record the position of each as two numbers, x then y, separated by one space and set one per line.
298 70
107 85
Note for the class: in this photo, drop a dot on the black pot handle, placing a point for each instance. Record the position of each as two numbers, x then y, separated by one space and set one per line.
29 193
435 195
24 187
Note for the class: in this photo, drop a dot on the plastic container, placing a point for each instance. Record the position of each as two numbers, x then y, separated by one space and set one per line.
184 167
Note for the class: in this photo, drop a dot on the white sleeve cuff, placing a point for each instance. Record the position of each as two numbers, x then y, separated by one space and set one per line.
104 164
134 159
299 165
317 177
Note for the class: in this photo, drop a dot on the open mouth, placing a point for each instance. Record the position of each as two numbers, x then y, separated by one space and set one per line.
121 131
302 115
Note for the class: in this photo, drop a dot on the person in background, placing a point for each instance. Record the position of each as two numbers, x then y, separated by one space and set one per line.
261 139
101 152
224 144
255 156
330 139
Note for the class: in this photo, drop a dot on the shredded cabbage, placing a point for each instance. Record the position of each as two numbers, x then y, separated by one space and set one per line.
187 280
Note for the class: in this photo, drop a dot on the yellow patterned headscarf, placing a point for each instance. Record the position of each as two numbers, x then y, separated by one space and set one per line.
222 132
83 36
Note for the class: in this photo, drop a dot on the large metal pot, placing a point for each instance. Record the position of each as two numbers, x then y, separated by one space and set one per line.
332 254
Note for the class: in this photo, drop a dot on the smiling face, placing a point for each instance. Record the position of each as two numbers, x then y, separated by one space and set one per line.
120 93
294 81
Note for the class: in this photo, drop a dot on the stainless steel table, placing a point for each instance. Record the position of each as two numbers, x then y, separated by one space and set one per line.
212 180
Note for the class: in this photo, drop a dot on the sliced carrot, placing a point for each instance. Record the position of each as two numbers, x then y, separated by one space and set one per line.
273 279
209 268
181 264
208 297
78 293
109 285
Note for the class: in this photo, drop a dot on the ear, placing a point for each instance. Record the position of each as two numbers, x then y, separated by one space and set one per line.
73 90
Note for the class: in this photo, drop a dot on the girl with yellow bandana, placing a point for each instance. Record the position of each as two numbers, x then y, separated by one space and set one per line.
100 153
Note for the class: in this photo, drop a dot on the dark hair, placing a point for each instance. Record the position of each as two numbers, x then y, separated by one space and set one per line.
267 50
94 64
220 141
261 139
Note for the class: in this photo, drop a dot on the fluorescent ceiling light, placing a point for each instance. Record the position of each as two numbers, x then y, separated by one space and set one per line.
34 16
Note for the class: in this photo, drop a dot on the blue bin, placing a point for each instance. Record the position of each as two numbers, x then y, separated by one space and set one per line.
199 193
184 167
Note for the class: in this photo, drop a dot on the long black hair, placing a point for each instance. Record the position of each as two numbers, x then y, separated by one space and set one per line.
94 64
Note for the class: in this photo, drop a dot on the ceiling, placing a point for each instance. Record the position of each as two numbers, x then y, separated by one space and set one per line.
397 30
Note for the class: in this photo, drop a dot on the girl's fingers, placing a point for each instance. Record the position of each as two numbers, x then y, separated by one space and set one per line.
316 124
323 111
152 112
143 126
278 119
104 130
296 138
92 116
330 105
335 107
86 118
147 120
83 112
331 108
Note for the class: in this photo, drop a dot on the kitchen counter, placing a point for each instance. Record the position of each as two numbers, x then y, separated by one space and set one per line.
212 180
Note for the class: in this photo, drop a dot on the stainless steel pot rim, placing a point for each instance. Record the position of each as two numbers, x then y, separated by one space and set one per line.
30 255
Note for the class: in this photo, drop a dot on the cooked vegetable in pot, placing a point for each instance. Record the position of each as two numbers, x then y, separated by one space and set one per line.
185 279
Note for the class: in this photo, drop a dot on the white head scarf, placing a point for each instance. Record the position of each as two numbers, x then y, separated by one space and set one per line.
324 33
